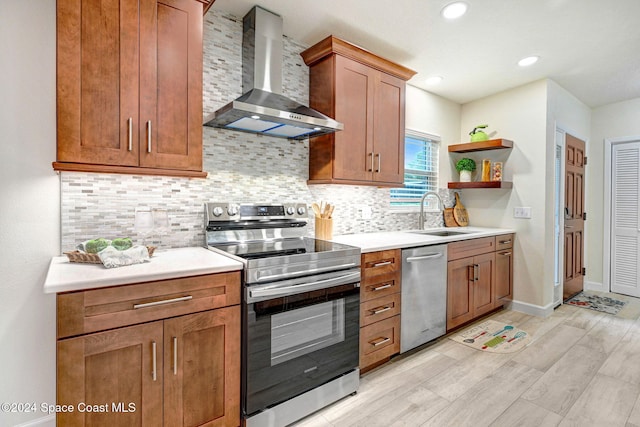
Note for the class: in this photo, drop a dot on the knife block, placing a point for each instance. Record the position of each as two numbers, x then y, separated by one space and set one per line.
324 228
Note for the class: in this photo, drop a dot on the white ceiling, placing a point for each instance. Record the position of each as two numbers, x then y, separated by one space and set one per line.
589 47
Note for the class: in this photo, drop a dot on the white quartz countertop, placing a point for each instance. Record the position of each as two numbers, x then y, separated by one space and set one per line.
64 276
372 242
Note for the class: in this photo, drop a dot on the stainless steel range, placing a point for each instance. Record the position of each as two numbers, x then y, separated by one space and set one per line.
301 302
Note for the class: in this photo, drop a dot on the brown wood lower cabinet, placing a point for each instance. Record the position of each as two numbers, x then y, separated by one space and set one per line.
479 278
178 371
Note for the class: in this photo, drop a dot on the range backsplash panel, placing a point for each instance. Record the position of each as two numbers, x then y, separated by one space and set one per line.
242 167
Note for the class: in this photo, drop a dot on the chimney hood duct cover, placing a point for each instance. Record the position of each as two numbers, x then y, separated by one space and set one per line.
262 109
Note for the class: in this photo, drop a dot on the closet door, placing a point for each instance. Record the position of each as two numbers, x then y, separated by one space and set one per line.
625 227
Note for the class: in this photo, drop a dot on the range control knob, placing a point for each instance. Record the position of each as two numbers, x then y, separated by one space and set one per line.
291 210
232 210
217 211
302 210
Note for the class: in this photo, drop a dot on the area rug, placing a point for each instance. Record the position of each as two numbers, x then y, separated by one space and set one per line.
597 302
494 337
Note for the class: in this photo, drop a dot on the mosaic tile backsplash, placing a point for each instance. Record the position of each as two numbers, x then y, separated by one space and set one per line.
242 167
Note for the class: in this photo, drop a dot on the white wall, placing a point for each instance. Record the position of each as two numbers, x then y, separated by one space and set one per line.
30 200
519 115
618 120
435 115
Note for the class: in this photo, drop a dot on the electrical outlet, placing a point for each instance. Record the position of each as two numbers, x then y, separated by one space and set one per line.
522 212
366 212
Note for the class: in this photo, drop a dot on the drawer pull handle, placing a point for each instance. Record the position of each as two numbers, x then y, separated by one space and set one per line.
385 286
505 253
504 242
154 360
165 301
175 355
379 310
382 341
382 264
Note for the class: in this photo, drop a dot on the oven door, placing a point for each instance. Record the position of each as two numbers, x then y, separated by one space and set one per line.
299 336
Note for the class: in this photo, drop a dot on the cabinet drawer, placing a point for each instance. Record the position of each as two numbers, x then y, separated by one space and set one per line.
379 309
504 241
375 263
101 309
466 248
379 286
379 341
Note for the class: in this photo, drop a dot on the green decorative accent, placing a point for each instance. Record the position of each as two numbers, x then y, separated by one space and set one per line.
478 135
466 164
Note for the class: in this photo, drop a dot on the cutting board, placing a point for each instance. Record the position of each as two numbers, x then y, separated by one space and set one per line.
449 220
460 212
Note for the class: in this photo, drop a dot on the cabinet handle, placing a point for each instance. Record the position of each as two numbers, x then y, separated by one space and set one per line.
471 273
175 355
154 363
149 136
505 253
371 167
379 310
379 162
382 264
476 267
382 341
130 133
385 286
165 301
504 242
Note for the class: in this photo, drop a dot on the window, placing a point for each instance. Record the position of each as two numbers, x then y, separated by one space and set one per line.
420 171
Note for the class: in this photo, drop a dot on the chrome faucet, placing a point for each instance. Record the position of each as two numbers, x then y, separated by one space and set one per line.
424 196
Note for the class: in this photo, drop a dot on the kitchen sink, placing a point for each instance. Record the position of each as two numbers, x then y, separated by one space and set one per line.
440 232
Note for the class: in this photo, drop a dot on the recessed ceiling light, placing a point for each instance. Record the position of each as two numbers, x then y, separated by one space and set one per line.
454 10
434 80
529 60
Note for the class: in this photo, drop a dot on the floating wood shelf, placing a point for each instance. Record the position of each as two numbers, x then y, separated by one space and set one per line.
480 184
492 144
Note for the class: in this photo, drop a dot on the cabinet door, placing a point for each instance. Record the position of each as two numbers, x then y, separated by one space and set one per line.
504 276
97 81
388 129
484 283
353 149
170 131
202 369
118 370
459 292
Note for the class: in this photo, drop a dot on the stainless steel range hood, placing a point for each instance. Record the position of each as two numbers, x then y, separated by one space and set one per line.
262 108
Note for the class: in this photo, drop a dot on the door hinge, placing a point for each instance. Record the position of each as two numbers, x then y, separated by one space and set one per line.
584 216
585 160
584 271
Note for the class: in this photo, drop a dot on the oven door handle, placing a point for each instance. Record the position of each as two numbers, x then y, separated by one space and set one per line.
281 291
310 271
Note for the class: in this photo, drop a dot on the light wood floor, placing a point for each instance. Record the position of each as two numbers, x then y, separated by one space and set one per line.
582 368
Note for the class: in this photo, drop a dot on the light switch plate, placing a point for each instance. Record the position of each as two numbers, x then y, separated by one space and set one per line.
366 212
522 212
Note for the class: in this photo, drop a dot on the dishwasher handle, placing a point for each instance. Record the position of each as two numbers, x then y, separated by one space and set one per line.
433 255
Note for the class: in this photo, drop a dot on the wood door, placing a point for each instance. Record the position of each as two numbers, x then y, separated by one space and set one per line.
388 129
625 219
97 81
353 157
504 277
112 368
460 298
573 217
202 369
484 283
170 131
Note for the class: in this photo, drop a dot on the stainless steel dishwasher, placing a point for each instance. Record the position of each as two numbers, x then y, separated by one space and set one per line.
424 295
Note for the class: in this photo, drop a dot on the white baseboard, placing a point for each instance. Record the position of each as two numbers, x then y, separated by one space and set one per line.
534 310
594 286
48 421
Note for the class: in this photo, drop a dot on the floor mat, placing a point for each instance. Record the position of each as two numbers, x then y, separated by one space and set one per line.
601 303
494 337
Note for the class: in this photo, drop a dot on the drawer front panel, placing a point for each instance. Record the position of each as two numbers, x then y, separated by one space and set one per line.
375 263
101 309
379 309
504 241
379 341
379 286
466 248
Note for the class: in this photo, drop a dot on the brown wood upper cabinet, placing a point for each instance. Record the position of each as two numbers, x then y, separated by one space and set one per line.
129 86
367 94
